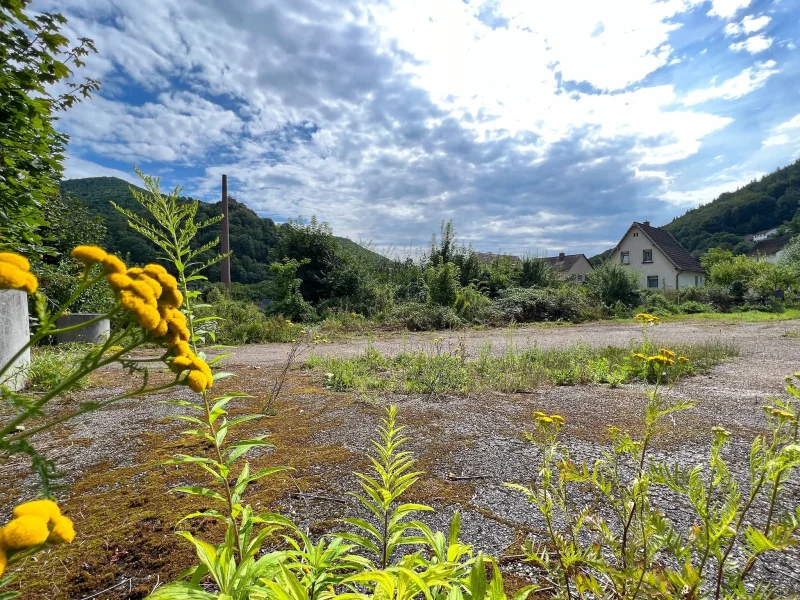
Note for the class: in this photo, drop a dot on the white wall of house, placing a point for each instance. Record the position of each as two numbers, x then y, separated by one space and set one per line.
691 279
764 234
579 270
659 268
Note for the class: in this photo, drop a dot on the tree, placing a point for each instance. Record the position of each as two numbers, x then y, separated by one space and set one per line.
34 57
313 241
716 256
791 256
442 282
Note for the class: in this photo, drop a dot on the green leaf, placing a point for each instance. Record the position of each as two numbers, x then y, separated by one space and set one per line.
198 491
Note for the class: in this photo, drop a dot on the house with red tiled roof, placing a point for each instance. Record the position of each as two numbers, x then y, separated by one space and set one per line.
660 260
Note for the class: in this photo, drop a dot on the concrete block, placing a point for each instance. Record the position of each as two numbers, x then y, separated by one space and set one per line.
96 333
14 334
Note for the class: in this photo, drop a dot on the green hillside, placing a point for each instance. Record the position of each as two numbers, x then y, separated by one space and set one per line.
772 201
252 237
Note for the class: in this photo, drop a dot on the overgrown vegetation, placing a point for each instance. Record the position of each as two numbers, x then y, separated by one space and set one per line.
441 369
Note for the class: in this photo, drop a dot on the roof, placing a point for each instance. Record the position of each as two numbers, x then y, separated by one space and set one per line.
763 231
769 246
669 247
565 262
487 257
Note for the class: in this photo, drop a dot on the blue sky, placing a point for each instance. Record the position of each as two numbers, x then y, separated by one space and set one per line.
535 126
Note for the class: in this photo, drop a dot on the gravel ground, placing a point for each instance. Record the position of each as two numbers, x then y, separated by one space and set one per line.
481 438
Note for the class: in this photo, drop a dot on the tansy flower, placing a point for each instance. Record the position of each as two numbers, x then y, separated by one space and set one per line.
15 259
639 356
14 278
3 561
89 255
197 381
25 532
44 509
118 281
63 530
112 264
667 353
683 360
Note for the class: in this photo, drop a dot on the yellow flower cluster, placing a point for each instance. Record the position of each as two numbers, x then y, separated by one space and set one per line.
664 357
152 296
647 318
15 273
545 419
34 523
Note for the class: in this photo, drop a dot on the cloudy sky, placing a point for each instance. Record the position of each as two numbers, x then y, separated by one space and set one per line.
535 125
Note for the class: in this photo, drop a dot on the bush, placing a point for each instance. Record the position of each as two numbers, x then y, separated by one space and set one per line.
693 307
425 317
244 323
443 284
50 365
652 301
530 305
612 282
471 305
58 283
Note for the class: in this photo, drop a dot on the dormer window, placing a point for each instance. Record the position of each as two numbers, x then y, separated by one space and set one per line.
647 256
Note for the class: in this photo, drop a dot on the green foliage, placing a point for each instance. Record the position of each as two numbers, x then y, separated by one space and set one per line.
442 281
611 282
239 322
763 204
36 59
288 300
791 256
622 546
50 366
535 271
59 282
448 369
425 317
531 305
471 305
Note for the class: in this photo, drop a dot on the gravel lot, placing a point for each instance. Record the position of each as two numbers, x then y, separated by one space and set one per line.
458 438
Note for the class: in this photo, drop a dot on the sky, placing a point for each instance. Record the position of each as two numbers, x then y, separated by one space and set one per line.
536 126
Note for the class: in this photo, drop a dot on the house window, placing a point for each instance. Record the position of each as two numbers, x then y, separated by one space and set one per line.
635 234
652 281
625 258
647 256
696 281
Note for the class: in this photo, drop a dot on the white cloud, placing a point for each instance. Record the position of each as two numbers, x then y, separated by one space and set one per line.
753 45
725 9
752 78
78 168
748 25
707 193
785 134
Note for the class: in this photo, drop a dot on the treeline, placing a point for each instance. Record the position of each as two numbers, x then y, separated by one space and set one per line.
772 201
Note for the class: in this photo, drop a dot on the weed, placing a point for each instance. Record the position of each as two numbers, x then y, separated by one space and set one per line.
50 365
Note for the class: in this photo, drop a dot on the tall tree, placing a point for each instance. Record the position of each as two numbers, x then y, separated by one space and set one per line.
35 60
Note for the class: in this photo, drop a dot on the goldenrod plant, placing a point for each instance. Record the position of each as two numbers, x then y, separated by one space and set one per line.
622 546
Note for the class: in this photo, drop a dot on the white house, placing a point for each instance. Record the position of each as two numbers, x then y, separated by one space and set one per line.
659 258
763 235
575 267
770 249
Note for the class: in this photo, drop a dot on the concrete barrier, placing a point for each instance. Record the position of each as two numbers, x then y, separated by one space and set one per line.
14 334
95 333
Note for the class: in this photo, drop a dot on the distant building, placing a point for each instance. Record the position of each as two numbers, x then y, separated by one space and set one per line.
659 258
763 235
486 258
575 267
770 249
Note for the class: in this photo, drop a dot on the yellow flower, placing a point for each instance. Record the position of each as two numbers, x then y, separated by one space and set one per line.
558 419
44 509
14 278
667 353
112 264
639 356
197 381
89 255
154 270
25 532
17 260
63 530
118 281
683 360
782 414
3 561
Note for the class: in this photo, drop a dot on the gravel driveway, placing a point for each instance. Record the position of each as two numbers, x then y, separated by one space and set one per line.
468 445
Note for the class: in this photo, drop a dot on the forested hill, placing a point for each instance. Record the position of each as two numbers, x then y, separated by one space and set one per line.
252 237
772 201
